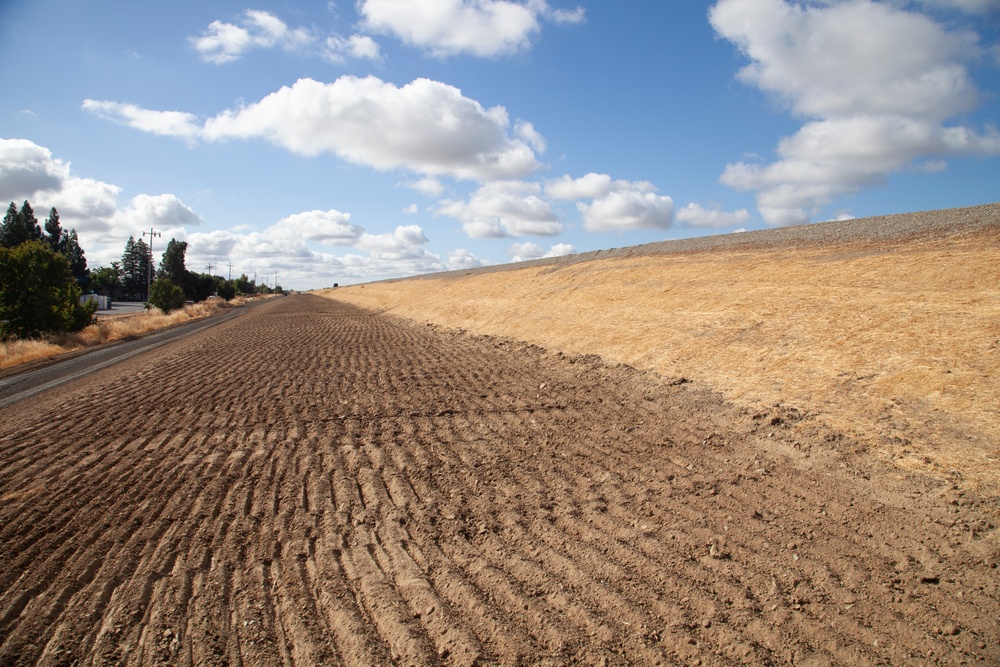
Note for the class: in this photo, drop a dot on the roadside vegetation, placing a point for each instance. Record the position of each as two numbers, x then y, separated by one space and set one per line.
45 283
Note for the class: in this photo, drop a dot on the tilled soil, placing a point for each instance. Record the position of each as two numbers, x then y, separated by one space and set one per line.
311 483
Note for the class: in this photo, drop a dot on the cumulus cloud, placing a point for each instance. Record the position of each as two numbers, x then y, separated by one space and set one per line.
162 212
327 227
30 172
615 204
521 252
225 42
360 47
694 215
879 106
628 209
592 186
460 258
485 28
502 209
428 186
425 126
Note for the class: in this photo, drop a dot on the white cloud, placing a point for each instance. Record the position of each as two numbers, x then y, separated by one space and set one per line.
327 227
226 42
360 47
30 172
425 126
521 252
460 258
412 209
830 158
561 249
161 212
164 123
592 186
876 83
428 186
526 132
26 168
504 208
486 28
694 215
628 209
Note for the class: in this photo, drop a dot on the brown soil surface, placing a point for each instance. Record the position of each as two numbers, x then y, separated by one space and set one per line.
312 483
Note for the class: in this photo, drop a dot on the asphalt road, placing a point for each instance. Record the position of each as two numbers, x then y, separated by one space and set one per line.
24 385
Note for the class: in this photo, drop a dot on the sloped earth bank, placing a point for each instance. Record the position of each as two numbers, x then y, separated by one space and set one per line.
315 484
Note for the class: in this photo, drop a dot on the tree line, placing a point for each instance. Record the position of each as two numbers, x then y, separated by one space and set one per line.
43 274
174 284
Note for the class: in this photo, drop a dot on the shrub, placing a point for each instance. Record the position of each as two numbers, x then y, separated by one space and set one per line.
227 290
166 296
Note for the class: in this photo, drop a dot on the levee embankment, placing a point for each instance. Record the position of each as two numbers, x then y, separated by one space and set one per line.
886 330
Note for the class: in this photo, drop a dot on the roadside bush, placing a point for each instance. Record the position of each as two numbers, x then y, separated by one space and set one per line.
166 296
38 293
227 290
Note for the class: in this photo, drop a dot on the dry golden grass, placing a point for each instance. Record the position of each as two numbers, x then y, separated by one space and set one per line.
19 352
894 344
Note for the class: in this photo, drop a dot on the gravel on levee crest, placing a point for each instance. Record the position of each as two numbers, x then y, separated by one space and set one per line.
317 483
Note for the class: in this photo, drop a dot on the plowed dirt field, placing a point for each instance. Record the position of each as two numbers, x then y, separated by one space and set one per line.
312 484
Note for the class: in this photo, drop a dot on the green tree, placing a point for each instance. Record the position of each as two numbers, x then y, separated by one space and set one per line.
172 264
226 290
135 269
19 226
77 259
54 232
107 280
244 285
38 293
166 296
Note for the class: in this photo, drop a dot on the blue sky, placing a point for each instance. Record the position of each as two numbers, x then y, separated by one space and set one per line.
342 142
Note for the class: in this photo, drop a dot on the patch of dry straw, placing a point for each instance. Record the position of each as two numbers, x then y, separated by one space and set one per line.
895 344
19 352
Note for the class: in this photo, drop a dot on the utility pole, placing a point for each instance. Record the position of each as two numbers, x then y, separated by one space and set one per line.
230 271
149 274
209 267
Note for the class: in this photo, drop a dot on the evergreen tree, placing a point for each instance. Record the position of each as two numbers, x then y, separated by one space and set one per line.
77 259
172 264
7 229
19 226
55 232
135 269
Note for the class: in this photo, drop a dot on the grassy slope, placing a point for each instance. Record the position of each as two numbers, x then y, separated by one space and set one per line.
895 344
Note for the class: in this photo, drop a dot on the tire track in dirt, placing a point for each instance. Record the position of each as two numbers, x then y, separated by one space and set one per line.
315 484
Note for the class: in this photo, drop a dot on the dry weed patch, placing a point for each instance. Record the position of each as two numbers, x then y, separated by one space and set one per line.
894 344
19 352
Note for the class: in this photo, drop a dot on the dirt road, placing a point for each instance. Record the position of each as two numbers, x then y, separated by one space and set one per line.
313 484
